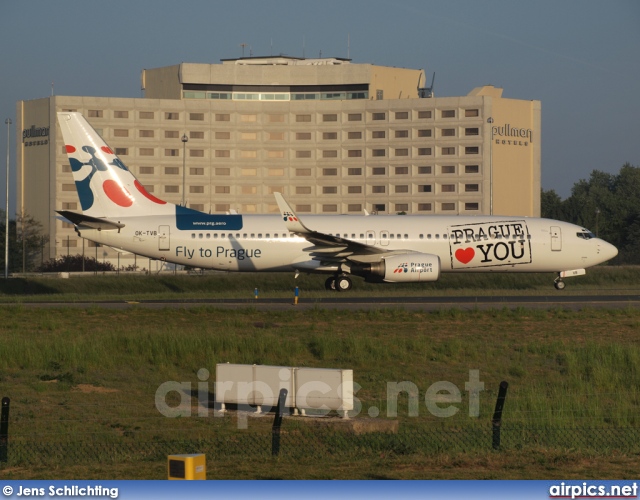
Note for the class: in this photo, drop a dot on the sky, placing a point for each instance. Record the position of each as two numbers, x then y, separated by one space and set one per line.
580 58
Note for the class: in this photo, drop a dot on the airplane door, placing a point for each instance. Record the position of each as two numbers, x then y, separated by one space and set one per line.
384 238
371 237
163 238
556 238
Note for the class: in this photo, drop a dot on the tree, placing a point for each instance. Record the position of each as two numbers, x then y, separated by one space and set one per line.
26 240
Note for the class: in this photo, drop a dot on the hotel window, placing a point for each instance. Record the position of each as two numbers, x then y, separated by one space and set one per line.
303 172
196 116
248 118
223 171
379 207
471 169
95 113
248 172
331 117
378 134
303 136
424 207
424 151
275 172
303 154
171 134
172 152
171 170
223 135
303 189
66 242
448 169
424 133
471 206
448 206
354 171
331 153
120 132
70 205
196 153
171 116
68 187
378 152
471 131
448 132
378 116
122 151
196 135
196 189
146 151
471 112
471 188
276 118
401 134
424 170
303 208
402 189
448 113
402 207
222 153
448 188
329 208
402 115
149 187
223 189
275 189
196 171
402 170
424 114
303 118
355 117
275 154
329 190
146 133
172 189
121 114
424 188
378 171
378 189
329 171
146 115
223 117
248 136
354 153
471 150
276 136
354 135
402 152
249 189
222 207
354 189
197 206
329 136
448 151
354 207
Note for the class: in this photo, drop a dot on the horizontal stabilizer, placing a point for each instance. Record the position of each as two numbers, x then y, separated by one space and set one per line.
89 222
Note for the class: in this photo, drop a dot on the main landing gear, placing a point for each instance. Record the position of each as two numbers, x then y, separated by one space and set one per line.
340 283
558 283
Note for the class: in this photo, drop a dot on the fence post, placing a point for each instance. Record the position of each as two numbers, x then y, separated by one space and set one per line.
4 429
277 423
496 421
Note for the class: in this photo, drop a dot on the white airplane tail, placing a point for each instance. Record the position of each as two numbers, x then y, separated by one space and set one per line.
105 186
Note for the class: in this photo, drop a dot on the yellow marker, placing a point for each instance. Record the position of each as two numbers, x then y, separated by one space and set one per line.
187 466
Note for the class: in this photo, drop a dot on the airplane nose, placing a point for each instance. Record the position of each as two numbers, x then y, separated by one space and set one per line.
607 251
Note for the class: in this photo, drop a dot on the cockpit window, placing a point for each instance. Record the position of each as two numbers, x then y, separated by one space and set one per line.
585 235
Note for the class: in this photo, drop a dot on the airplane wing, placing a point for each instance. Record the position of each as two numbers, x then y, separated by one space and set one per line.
328 247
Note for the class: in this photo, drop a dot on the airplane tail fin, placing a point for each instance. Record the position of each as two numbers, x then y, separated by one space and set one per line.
105 185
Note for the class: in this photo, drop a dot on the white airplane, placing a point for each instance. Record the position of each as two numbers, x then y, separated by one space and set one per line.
118 212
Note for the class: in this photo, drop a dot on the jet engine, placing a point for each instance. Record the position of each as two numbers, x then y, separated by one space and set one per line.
402 268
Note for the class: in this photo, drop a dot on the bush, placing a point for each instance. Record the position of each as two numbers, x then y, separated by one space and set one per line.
73 263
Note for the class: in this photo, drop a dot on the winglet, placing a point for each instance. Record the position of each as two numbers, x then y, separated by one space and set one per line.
291 220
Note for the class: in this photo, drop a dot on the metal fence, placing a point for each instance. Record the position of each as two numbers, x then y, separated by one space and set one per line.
319 443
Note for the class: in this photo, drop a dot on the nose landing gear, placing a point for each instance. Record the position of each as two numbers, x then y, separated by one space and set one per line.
558 283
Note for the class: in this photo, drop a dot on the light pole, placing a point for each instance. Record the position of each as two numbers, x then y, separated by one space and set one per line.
490 122
184 166
6 213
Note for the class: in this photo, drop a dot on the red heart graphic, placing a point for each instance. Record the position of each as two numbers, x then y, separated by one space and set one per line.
465 255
